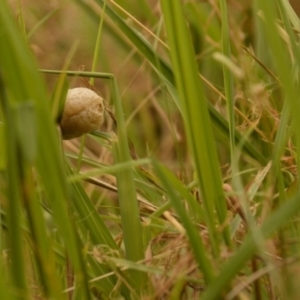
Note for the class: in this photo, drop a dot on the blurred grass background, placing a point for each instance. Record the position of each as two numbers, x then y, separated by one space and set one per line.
194 193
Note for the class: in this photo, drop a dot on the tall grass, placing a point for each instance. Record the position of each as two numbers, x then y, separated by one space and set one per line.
189 190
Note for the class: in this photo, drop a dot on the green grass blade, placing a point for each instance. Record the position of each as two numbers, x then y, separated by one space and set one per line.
98 42
41 242
228 79
59 94
196 118
281 60
5 288
282 136
14 195
285 4
132 230
58 97
3 152
289 17
79 73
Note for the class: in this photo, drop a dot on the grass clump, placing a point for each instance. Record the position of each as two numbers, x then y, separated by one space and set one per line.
189 188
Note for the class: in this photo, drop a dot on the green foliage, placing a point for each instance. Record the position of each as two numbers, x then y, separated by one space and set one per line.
189 190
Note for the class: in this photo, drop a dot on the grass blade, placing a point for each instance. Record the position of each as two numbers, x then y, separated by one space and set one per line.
132 229
228 79
196 118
